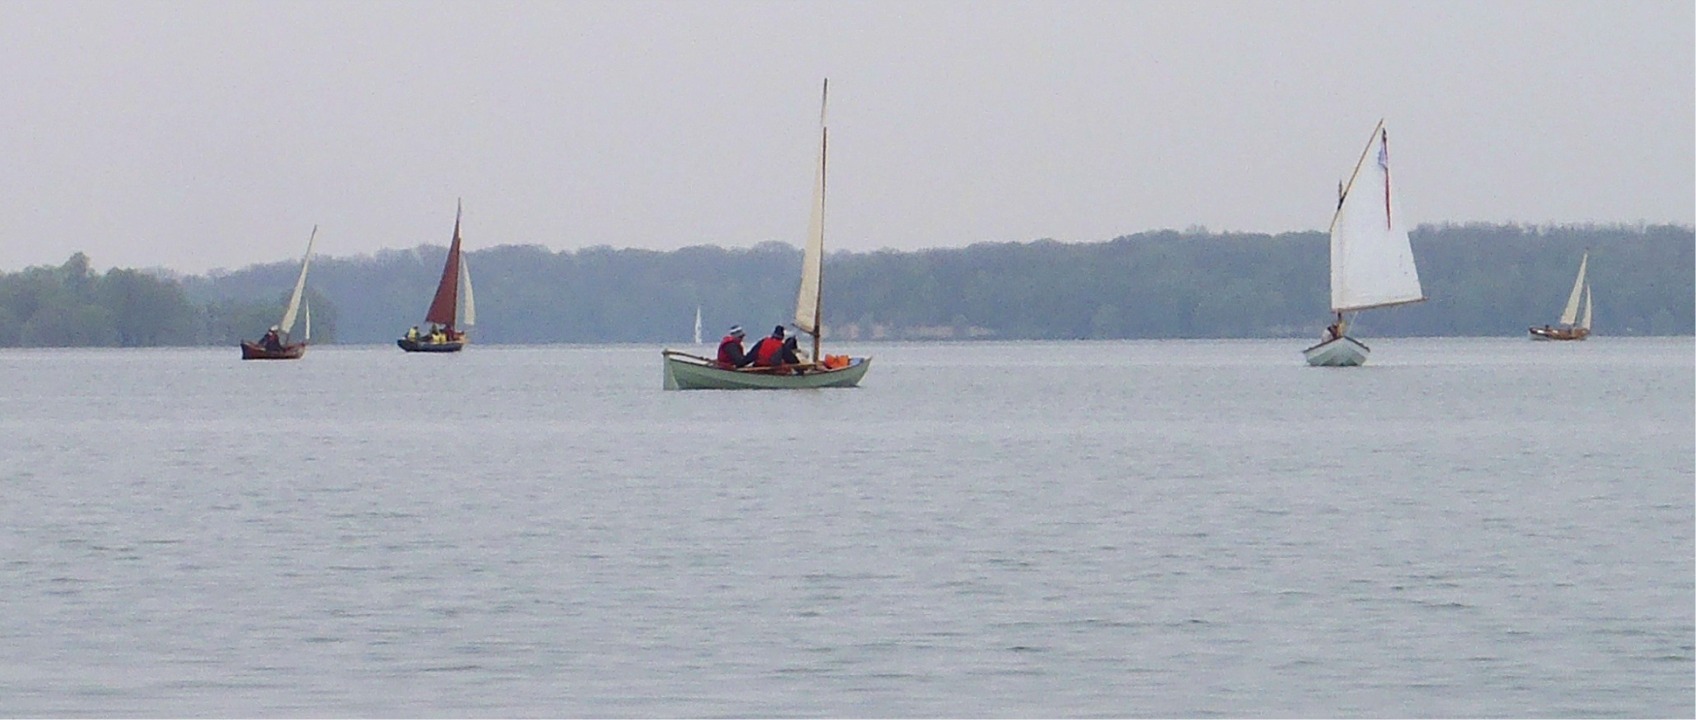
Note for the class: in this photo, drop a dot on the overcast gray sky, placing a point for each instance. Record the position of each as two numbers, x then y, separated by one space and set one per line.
196 135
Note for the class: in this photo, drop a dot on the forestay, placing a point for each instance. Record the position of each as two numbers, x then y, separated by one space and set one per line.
1371 257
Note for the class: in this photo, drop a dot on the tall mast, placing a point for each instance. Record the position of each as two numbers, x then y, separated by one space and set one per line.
809 304
824 160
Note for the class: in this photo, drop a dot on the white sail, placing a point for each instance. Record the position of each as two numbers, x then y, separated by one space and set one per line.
306 308
1371 258
467 300
807 306
697 324
287 325
1589 307
1570 314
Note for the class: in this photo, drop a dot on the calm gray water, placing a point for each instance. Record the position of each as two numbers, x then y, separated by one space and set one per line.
1462 528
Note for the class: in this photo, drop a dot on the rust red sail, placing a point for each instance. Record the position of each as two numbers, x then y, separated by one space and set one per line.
442 308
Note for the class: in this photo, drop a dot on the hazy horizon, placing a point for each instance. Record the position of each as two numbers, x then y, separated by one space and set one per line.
198 135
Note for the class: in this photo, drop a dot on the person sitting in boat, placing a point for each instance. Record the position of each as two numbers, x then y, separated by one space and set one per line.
412 335
791 353
768 352
272 341
730 354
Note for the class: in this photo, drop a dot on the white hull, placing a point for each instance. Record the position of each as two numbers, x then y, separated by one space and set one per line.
1341 352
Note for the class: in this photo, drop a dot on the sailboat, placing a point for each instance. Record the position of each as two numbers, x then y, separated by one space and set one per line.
1569 328
1371 258
454 301
697 324
684 371
275 344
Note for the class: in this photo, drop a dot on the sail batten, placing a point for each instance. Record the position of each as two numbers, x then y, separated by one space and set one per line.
1569 315
1372 262
808 299
445 304
287 324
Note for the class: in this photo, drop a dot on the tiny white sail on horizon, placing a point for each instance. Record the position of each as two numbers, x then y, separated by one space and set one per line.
697 324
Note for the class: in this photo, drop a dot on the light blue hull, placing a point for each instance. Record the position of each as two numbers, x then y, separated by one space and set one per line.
1341 352
687 372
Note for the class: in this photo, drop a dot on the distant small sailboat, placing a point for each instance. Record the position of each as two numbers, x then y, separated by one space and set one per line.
1571 328
697 324
684 371
1371 257
452 309
275 344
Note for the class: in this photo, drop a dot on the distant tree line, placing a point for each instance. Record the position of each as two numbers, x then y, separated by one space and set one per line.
1482 280
72 306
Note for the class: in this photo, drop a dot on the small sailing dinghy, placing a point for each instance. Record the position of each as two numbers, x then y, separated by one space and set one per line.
1570 328
275 344
453 301
684 371
1371 257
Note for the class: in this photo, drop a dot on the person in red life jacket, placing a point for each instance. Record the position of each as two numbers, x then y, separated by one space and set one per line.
730 355
768 352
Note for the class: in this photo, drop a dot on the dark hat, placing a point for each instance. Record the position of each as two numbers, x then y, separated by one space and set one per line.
777 331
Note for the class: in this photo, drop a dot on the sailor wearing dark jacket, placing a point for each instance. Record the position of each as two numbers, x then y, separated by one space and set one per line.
730 353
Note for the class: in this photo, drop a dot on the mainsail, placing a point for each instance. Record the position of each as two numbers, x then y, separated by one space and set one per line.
1570 314
1589 307
1371 257
446 302
807 304
287 324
